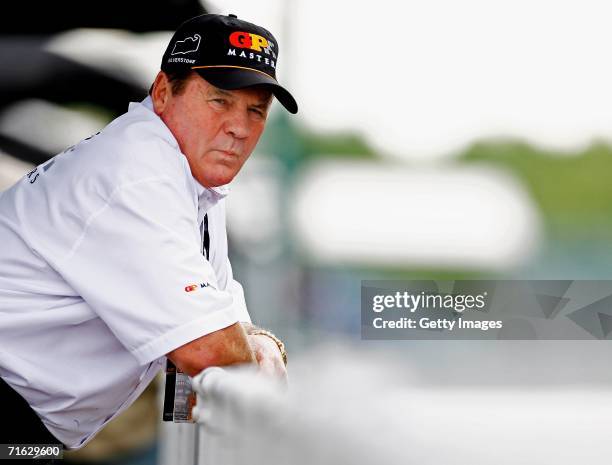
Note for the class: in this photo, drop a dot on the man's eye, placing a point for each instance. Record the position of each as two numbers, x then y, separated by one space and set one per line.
220 101
257 112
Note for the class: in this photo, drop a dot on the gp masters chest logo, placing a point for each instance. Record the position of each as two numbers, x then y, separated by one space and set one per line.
251 41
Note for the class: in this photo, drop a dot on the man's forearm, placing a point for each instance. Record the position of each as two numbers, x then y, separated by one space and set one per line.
224 347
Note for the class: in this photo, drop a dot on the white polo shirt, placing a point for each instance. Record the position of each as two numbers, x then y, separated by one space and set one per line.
102 273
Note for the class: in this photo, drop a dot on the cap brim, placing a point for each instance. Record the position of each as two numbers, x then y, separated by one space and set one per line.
229 78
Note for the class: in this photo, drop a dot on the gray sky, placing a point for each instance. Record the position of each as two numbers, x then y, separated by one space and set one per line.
423 79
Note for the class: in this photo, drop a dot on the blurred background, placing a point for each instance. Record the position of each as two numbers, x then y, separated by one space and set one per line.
435 140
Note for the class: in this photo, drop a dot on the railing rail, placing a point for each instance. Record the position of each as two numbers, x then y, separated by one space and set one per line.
243 419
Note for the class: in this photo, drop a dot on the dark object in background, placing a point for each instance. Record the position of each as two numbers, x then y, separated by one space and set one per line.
32 72
50 17
29 71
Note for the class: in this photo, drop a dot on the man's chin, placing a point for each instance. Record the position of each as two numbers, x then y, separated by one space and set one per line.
217 180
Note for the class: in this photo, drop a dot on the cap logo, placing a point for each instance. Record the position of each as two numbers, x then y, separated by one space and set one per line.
188 45
242 39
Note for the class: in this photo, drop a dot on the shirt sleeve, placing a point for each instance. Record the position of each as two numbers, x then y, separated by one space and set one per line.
138 265
235 288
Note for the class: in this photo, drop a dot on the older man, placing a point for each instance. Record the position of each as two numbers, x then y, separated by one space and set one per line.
114 252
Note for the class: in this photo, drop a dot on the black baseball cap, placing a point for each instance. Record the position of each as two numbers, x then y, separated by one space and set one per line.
229 53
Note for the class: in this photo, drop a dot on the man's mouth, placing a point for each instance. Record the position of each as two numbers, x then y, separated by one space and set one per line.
229 153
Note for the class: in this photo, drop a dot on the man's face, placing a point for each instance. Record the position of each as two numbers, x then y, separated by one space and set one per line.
216 129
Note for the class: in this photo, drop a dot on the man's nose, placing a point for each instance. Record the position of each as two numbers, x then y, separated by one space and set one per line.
237 124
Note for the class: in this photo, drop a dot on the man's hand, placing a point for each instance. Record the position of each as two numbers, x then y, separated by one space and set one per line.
268 356
267 352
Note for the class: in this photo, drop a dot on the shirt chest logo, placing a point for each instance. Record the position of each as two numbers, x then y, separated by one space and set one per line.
195 287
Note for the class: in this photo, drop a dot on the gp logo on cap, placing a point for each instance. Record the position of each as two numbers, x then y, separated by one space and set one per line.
242 39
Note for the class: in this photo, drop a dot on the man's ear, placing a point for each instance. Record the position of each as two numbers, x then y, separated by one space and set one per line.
161 93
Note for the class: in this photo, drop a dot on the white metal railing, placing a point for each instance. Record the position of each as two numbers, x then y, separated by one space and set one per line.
243 418
338 418
239 414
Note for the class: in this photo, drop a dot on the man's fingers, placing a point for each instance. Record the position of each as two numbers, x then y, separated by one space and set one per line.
268 357
272 367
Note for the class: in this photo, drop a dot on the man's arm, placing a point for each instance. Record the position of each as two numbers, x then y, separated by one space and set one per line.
228 346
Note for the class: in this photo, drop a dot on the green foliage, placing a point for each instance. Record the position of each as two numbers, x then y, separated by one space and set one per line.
573 191
293 144
338 145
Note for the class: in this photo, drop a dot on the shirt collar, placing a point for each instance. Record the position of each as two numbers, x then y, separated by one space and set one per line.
215 193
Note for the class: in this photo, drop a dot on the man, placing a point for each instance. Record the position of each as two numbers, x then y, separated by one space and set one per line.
114 252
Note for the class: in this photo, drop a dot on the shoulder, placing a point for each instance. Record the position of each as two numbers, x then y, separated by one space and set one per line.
139 144
133 148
